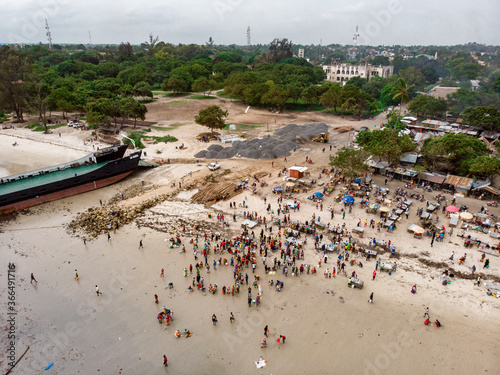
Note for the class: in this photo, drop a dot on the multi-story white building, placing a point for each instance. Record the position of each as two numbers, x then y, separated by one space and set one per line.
340 72
301 52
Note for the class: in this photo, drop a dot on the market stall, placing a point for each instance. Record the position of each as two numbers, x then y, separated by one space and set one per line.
354 282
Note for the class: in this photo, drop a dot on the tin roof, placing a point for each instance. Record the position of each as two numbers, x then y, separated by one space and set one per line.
459 181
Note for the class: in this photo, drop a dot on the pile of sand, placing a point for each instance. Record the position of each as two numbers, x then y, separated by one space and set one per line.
287 140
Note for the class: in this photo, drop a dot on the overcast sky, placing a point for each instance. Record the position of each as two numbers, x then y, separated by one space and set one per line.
406 22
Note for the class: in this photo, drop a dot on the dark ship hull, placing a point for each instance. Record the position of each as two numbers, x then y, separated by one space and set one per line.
96 170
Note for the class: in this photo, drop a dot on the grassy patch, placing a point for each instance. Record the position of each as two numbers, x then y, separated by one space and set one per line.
148 100
41 128
138 136
177 102
168 127
175 94
164 139
200 96
222 94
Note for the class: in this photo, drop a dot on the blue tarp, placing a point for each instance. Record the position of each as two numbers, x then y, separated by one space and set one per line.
348 199
319 195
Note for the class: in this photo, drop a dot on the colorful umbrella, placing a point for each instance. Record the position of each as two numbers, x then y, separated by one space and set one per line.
452 209
348 199
374 206
319 195
278 188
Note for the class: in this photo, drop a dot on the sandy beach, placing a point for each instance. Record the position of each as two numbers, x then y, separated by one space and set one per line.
329 327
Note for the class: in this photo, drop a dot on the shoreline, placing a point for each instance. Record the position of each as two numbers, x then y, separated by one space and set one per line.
63 321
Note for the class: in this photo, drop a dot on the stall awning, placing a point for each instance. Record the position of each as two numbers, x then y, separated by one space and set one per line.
492 190
437 179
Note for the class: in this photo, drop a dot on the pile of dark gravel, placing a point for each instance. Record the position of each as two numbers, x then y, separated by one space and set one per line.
287 140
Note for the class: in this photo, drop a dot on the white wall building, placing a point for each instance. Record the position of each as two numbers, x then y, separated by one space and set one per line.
340 72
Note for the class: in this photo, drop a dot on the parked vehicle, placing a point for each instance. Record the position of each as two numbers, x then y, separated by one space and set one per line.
213 166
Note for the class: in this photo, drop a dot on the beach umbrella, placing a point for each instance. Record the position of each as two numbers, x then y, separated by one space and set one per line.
278 188
348 199
290 184
466 215
452 209
384 209
418 230
374 206
319 195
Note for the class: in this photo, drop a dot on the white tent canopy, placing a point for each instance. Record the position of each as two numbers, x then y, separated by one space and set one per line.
249 223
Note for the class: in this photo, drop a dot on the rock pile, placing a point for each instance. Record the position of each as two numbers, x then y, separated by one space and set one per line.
99 220
287 140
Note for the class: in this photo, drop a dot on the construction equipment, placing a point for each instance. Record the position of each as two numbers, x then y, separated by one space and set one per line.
323 137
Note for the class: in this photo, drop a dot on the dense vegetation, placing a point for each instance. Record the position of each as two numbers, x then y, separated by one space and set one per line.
112 83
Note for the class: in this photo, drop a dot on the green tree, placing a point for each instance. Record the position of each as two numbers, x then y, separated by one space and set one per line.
280 49
143 89
485 117
461 69
352 162
108 69
126 90
64 100
414 80
131 108
386 144
394 121
331 97
212 117
253 93
176 84
380 60
357 81
496 84
310 95
276 96
151 44
428 106
204 84
485 167
452 152
387 95
401 92
15 69
39 91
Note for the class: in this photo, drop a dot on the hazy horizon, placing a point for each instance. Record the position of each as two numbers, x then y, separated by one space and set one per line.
389 22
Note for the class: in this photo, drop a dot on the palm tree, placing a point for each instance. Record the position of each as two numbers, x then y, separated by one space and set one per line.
400 90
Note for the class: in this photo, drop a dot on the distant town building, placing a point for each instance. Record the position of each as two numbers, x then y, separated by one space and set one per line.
340 72
474 84
301 52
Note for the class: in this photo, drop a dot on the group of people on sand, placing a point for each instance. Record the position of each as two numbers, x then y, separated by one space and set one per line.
243 252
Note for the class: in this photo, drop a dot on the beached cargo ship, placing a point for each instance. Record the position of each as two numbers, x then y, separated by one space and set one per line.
96 170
